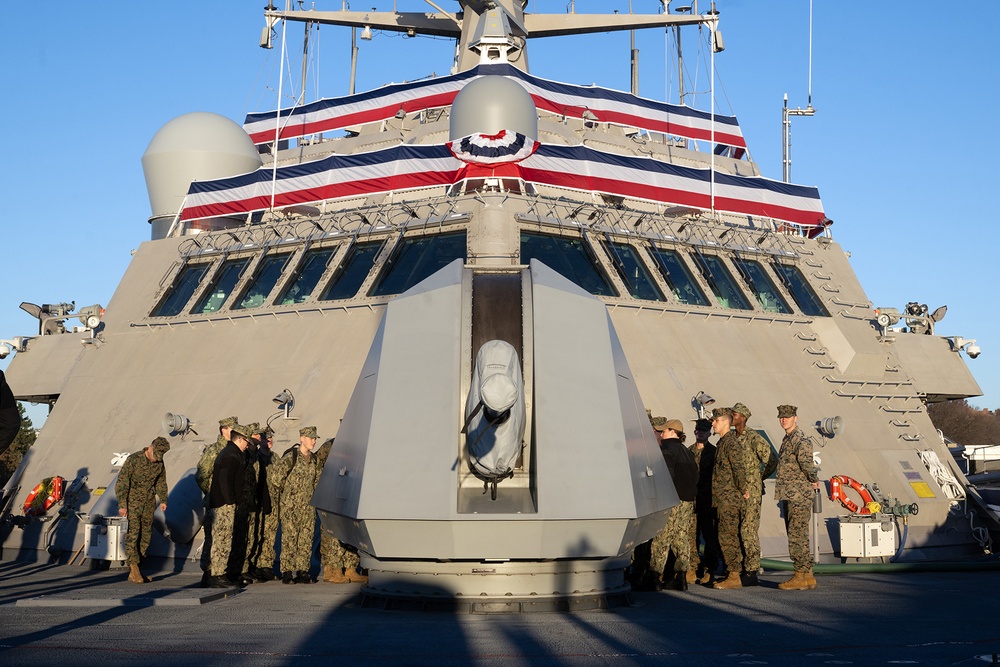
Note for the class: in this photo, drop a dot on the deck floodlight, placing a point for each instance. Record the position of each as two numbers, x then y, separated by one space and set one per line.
366 33
831 426
285 401
176 424
700 402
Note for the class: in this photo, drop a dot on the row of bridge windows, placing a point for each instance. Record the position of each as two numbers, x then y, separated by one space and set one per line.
415 258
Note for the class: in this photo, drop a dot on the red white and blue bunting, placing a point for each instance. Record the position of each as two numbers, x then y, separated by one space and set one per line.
406 167
609 106
501 148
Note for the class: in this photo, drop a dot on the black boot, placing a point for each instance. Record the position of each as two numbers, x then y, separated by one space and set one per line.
749 579
678 583
288 577
220 581
260 574
303 578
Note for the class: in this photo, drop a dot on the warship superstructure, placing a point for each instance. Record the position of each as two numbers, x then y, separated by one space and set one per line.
479 283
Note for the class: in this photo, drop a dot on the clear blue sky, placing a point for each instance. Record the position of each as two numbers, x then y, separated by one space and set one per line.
901 146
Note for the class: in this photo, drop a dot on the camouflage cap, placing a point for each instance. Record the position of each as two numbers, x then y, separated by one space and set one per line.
722 412
742 409
229 422
309 432
253 428
787 411
243 431
160 447
703 424
267 432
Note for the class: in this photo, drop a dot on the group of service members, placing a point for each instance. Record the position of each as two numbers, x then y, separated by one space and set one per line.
720 488
248 493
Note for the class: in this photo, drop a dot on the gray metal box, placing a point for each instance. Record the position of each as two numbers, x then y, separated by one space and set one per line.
866 537
106 540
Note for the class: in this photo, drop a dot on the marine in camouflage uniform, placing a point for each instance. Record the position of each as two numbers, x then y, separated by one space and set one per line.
203 477
795 487
226 491
761 463
674 536
299 473
142 479
729 494
340 563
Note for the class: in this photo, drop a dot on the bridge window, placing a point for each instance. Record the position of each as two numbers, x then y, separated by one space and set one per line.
355 269
570 257
178 295
800 290
721 282
311 269
222 287
678 278
761 286
633 272
416 258
270 269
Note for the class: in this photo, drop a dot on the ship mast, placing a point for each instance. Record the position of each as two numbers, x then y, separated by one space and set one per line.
488 29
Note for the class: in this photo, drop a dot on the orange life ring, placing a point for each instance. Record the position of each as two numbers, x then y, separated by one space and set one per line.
837 484
54 486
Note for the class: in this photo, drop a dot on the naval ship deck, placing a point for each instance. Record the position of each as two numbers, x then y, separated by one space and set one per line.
67 613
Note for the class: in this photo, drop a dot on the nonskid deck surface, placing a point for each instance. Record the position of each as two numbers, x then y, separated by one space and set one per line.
78 616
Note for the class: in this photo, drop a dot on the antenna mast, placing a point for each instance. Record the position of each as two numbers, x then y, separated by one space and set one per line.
786 113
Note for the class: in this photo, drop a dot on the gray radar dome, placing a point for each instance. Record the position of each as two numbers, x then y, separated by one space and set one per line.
194 147
492 103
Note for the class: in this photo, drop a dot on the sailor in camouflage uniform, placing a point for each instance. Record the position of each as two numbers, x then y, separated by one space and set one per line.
261 551
298 472
269 531
203 477
796 483
761 463
729 494
246 506
674 536
704 522
142 479
225 493
340 564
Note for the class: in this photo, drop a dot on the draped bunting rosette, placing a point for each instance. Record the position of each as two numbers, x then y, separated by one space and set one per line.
489 149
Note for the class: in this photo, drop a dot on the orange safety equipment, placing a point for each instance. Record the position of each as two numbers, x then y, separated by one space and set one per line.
53 486
837 484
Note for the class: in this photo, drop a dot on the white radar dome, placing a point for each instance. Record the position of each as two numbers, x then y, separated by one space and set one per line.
492 103
194 147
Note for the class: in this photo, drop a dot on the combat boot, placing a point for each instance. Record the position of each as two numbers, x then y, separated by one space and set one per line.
810 579
678 583
334 575
732 581
798 582
134 575
288 577
303 578
692 577
355 577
